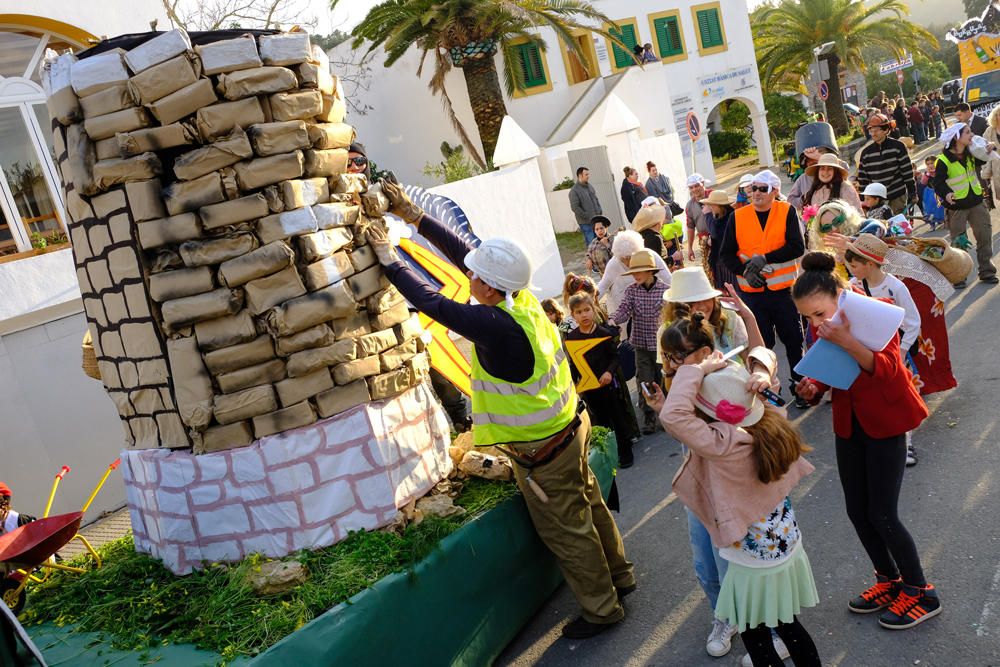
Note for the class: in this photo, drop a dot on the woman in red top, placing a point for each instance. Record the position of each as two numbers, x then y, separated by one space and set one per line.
870 421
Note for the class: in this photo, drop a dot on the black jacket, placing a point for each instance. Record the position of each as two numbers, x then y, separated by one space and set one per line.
632 196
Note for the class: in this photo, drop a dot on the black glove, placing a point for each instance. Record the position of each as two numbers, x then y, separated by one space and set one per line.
757 262
755 279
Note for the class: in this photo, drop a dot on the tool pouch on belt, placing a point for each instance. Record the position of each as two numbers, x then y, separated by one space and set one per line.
549 451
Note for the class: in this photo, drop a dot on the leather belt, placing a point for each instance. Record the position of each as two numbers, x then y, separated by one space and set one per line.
548 452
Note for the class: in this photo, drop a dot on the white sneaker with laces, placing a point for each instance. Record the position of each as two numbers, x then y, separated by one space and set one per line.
779 646
720 640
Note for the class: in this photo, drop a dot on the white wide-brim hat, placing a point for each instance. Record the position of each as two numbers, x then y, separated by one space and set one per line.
689 285
723 396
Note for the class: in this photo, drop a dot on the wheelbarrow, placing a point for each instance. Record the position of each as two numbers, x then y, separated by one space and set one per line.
33 546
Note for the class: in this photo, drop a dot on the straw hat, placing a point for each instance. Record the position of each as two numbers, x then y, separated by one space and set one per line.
688 285
827 160
642 260
649 216
719 198
723 396
870 247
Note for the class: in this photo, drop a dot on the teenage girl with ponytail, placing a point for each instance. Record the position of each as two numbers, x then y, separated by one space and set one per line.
870 421
743 459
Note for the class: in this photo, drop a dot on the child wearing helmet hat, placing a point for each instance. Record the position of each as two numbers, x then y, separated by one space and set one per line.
874 202
9 519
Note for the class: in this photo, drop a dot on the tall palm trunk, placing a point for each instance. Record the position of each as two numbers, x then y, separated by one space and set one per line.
835 102
486 97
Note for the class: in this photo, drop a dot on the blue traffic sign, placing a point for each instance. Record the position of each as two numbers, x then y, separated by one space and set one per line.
693 126
824 90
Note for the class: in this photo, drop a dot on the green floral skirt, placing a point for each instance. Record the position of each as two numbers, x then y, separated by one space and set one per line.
769 595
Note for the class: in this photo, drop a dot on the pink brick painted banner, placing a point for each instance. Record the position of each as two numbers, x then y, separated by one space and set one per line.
300 489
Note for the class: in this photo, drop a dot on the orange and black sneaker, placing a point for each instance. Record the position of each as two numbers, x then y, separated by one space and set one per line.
877 597
912 606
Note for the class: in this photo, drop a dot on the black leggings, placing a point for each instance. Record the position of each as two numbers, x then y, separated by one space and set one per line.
871 473
760 646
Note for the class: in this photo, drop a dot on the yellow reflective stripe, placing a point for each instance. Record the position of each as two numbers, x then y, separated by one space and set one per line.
510 389
484 418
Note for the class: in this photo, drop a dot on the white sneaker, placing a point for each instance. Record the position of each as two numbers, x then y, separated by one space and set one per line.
720 641
779 646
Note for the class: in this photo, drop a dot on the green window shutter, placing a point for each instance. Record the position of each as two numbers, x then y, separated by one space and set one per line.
529 62
710 28
668 36
625 33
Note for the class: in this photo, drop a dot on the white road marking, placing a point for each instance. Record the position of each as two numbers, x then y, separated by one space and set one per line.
982 629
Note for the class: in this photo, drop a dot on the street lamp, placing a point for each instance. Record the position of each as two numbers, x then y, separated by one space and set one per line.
822 50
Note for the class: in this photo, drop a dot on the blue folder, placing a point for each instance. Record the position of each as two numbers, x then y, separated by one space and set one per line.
830 364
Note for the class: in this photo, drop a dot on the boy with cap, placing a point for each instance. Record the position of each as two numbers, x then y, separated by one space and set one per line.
696 225
9 519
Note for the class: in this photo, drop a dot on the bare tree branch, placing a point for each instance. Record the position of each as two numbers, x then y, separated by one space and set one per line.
220 14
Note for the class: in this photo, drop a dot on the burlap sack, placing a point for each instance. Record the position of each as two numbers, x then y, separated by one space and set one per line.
191 381
366 283
311 309
297 389
245 404
221 438
375 343
341 399
326 163
389 384
251 376
225 331
383 300
287 224
94 74
223 153
294 416
351 326
390 318
257 351
269 291
287 48
164 231
352 370
257 173
121 170
64 106
275 138
349 183
160 80
316 76
109 100
397 356
219 120
187 310
322 244
107 149
257 81
155 138
307 361
229 55
327 271
335 215
126 120
264 261
374 203
162 47
217 250
184 196
297 193
320 335
333 111
296 105
183 102
180 283
331 135
144 200
233 212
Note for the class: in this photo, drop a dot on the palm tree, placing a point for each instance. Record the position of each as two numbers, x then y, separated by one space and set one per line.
467 34
786 33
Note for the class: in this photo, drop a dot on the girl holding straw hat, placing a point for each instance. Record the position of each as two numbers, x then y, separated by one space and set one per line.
830 181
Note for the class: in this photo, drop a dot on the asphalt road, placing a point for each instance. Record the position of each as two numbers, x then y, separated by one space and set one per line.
950 503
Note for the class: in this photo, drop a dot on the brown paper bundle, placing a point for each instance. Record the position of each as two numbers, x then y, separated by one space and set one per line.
317 245
175 229
307 361
311 309
287 48
320 335
229 55
126 120
349 184
184 196
327 271
182 282
162 47
107 149
383 300
264 261
217 250
121 170
351 326
296 105
374 203
297 389
221 438
335 215
276 138
245 404
164 259
297 193
64 106
227 359
187 310
109 100
80 159
223 153
326 162
409 328
269 291
225 331
144 200
251 376
160 80
295 416
331 135
257 81
219 120
390 318
334 110
397 356
272 194
390 384
316 76
341 399
287 224
420 367
257 173
367 283
98 72
233 212
155 138
183 102
192 383
353 370
375 343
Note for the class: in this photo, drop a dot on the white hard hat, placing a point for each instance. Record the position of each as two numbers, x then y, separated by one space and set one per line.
875 190
695 179
502 264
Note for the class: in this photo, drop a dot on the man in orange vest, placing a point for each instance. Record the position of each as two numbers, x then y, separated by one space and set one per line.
762 246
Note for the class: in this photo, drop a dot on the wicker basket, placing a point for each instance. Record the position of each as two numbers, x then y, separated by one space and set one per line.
954 264
89 361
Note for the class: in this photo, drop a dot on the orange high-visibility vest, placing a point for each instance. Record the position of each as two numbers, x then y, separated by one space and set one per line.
752 240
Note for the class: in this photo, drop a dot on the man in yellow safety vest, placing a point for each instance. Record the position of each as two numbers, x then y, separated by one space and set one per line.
523 397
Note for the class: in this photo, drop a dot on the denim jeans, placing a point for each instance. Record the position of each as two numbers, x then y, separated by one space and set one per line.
709 566
588 233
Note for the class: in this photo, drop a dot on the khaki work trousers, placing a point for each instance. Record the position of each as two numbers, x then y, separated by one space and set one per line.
977 217
578 527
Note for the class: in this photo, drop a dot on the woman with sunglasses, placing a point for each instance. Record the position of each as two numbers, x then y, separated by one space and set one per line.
357 160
